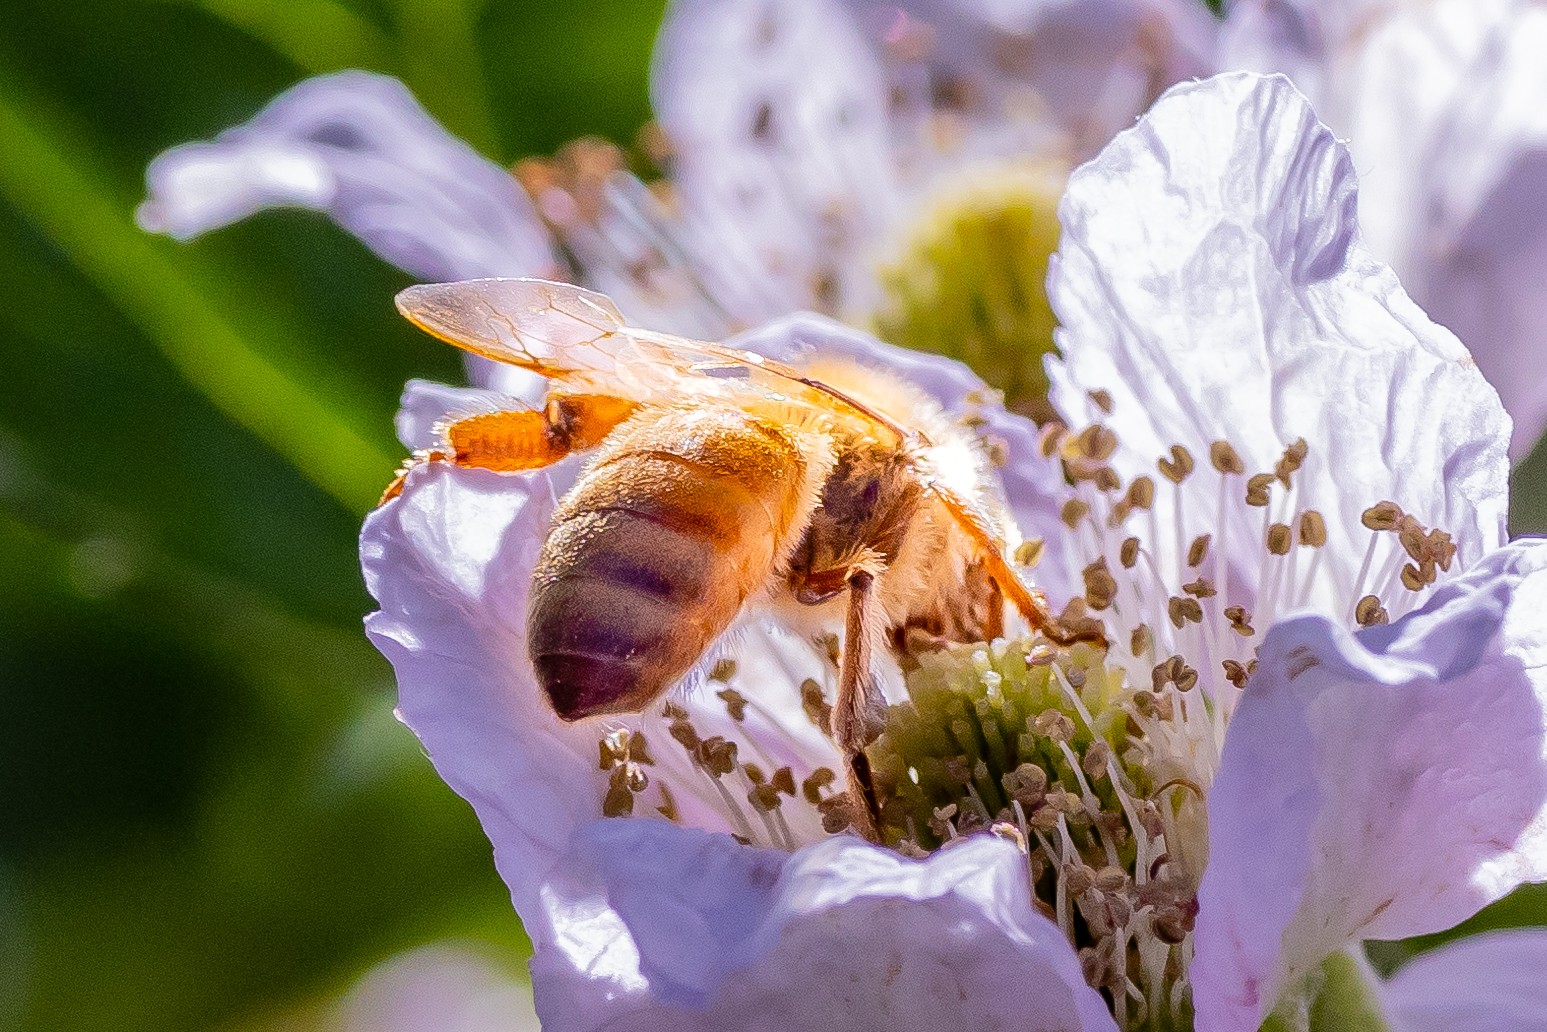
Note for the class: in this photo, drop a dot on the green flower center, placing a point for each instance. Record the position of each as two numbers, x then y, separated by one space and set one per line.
968 279
1048 747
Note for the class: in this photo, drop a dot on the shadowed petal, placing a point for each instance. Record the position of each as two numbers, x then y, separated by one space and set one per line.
360 149
840 936
1376 785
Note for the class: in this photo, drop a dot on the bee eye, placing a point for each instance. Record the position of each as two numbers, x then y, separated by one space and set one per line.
871 493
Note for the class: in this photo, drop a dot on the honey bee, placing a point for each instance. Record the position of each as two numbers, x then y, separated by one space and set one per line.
723 484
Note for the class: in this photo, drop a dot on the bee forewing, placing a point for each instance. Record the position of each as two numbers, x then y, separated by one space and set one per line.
557 330
578 337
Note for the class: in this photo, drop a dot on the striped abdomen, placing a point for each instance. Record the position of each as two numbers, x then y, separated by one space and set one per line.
677 521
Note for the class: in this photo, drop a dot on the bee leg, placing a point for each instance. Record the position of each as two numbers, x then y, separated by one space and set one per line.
1029 602
860 710
518 440
413 462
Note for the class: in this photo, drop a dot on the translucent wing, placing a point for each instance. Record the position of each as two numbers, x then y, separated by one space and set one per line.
556 330
578 337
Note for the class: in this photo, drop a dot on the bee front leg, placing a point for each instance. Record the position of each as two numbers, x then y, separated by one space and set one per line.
859 714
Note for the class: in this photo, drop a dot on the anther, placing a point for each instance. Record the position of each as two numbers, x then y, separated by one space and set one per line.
1313 529
1096 442
1128 554
1279 539
1292 459
1183 611
1178 467
811 788
1257 489
1141 493
1139 641
1074 511
716 755
1052 724
1416 578
1096 758
1078 878
1198 550
1240 620
1225 458
619 798
1029 552
1050 440
735 702
1102 399
764 798
1200 588
1369 612
818 710
1100 585
1235 672
1381 516
1026 784
1111 879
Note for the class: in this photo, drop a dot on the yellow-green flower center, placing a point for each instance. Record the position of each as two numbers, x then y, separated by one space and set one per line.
968 279
1049 747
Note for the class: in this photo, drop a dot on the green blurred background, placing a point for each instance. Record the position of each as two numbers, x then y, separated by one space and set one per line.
208 816
207 812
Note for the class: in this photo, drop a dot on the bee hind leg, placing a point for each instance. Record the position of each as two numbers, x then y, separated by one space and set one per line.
519 440
859 713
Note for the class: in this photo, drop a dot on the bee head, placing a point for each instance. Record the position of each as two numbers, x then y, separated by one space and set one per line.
866 505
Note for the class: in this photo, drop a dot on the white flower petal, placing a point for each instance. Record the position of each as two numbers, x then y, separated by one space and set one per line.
840 936
359 148
1441 104
1034 487
1495 982
777 113
1211 277
1376 785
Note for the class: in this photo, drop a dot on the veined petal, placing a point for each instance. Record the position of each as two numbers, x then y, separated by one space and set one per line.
777 114
360 149
1440 104
1485 983
839 936
1376 785
1212 279
1033 487
1465 158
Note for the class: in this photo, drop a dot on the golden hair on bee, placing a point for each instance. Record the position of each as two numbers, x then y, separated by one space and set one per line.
721 483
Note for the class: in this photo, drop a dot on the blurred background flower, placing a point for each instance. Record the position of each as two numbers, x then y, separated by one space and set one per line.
208 817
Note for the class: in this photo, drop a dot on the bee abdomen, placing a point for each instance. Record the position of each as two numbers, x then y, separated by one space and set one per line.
653 554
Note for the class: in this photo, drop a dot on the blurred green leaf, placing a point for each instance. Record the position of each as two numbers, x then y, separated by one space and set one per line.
55 189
